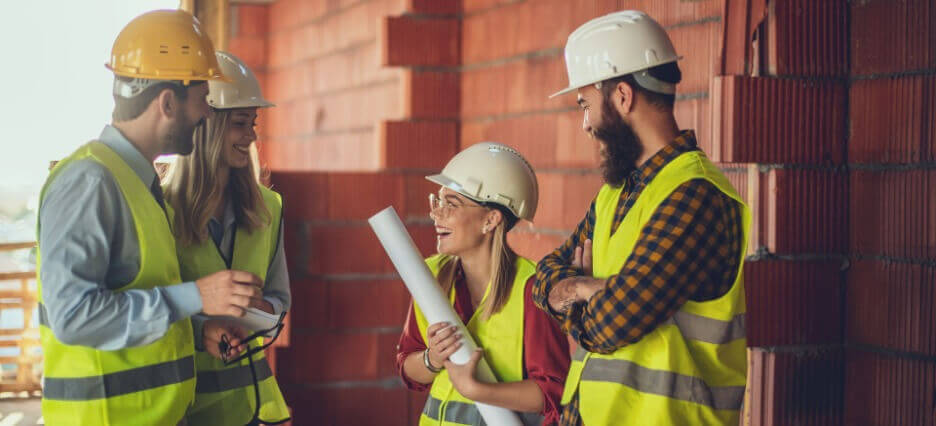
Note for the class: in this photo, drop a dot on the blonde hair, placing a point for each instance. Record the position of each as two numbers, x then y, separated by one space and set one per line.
194 189
502 272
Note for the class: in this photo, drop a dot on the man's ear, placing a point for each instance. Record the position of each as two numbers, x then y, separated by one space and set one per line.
167 103
623 98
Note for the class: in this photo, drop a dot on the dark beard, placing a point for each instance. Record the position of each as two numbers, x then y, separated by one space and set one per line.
182 136
621 146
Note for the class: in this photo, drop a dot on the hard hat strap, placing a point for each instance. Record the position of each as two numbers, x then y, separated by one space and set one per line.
653 84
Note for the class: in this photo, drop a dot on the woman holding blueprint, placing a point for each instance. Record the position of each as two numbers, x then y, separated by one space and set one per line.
484 190
224 219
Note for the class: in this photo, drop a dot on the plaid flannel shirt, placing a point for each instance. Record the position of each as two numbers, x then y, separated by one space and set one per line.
689 250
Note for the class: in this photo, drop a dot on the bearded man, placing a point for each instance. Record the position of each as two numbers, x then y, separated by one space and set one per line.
649 284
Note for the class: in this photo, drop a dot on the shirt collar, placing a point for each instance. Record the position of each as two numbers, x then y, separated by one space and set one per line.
228 219
685 142
116 141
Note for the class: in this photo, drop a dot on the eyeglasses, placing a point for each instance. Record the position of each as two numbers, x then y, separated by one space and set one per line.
443 207
225 344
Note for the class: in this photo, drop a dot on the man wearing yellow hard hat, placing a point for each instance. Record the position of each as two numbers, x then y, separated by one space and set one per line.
650 283
114 314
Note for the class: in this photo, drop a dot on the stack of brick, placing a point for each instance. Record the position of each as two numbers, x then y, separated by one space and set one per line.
781 103
890 323
834 160
357 125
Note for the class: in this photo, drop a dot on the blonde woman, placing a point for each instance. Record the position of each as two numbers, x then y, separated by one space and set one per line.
224 219
484 190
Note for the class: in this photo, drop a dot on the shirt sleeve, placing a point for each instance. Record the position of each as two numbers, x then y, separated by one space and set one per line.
78 223
557 265
410 341
682 247
276 287
546 355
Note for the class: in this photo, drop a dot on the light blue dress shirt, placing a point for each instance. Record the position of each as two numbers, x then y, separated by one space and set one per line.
90 248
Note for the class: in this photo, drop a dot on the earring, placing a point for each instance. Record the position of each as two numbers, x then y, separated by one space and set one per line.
484 230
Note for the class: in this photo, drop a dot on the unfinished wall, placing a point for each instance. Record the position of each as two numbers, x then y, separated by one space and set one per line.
821 113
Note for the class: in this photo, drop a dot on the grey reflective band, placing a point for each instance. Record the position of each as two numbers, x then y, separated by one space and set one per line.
119 383
665 383
43 316
464 413
709 330
579 354
467 414
231 378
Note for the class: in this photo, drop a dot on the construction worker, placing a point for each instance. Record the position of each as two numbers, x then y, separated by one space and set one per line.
484 190
114 314
224 218
649 284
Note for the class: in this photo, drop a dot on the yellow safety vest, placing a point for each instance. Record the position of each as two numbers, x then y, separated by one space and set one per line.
501 336
691 369
225 394
144 385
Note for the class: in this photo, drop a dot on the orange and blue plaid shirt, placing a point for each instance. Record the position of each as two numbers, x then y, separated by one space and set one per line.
688 250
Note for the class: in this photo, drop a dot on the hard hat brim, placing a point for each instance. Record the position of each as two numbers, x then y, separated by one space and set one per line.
449 183
564 91
168 77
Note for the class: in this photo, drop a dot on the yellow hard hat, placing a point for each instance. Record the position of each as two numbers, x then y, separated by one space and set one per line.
164 45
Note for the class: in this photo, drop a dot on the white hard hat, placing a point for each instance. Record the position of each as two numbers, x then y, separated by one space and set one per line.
490 172
618 44
243 91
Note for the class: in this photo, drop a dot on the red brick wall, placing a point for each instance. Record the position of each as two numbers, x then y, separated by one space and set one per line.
890 327
820 112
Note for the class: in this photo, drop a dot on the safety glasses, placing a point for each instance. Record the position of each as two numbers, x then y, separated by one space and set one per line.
225 343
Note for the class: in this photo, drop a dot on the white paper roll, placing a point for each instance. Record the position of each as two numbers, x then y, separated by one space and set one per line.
435 306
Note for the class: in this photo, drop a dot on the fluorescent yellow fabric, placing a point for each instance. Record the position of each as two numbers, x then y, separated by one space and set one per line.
145 385
501 336
225 394
691 370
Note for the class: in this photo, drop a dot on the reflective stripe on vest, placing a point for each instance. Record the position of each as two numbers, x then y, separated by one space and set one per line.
119 383
115 384
468 414
231 378
660 382
709 330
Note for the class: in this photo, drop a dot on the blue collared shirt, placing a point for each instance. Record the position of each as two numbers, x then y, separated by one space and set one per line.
90 248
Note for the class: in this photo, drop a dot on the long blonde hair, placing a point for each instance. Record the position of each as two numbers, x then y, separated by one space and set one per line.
195 190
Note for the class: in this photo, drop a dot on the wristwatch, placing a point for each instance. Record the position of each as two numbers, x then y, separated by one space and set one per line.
429 364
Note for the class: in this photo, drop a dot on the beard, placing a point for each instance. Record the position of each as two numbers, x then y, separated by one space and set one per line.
181 136
620 146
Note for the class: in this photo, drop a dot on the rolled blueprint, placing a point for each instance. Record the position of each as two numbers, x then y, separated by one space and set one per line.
428 295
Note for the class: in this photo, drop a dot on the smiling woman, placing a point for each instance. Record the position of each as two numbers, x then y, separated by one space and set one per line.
225 219
484 190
